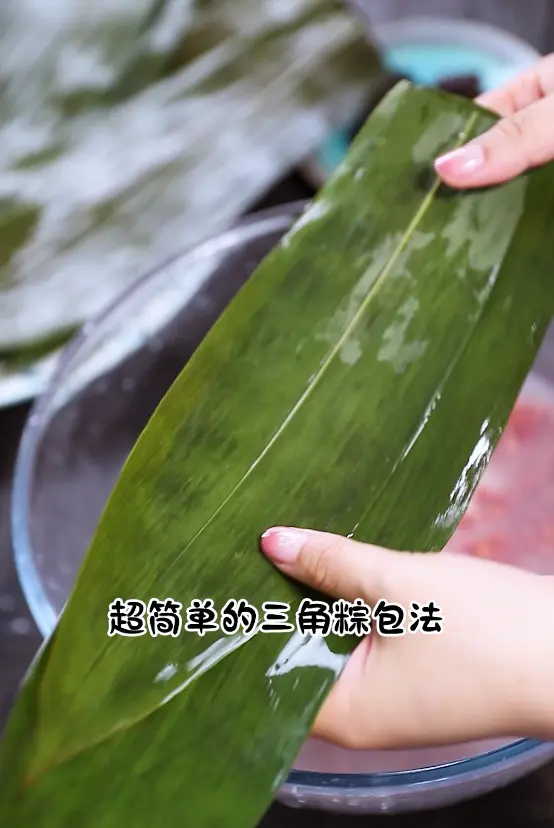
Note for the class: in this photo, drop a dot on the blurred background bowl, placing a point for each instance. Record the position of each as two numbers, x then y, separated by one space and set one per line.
427 50
79 433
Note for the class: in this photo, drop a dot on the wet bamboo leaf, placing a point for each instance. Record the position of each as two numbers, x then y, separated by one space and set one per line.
131 129
358 383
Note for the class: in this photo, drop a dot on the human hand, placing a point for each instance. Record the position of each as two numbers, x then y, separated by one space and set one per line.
522 139
488 674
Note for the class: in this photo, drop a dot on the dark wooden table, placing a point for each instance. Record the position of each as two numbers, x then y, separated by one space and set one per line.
527 804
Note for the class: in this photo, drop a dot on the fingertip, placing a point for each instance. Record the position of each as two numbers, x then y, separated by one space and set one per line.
269 540
459 167
282 544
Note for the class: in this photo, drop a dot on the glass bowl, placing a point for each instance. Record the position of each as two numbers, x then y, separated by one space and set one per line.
78 435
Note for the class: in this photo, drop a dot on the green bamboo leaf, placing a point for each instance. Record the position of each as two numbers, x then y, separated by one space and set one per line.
357 383
132 129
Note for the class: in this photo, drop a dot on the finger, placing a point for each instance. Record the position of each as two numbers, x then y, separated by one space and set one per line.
523 91
514 145
331 564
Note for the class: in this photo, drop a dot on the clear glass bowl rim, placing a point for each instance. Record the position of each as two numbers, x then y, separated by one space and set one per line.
254 225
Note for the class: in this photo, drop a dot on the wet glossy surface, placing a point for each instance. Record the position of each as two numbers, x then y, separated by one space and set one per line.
237 484
77 453
511 517
527 804
94 473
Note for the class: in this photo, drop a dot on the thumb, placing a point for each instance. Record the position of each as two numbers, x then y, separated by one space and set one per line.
331 564
514 145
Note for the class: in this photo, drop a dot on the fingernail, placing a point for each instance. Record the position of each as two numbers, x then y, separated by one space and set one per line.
461 162
282 544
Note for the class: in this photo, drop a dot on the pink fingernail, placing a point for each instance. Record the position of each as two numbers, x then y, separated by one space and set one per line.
282 544
461 163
